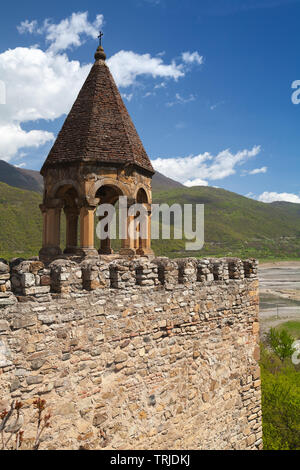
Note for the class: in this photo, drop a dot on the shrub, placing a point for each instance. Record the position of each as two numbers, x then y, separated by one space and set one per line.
280 403
281 343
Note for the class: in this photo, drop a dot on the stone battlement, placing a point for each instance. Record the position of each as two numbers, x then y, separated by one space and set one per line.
134 353
33 279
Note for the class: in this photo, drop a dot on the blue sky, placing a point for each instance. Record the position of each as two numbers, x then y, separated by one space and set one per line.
207 83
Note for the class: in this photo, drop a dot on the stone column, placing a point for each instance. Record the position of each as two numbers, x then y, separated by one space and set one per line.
128 244
144 245
105 244
51 229
72 215
87 230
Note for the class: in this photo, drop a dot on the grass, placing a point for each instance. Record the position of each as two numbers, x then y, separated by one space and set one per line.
292 327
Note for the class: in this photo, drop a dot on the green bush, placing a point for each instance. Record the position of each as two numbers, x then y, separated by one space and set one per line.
280 402
281 343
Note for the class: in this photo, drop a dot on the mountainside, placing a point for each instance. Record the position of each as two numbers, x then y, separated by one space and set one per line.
20 222
234 225
20 178
32 180
163 183
237 226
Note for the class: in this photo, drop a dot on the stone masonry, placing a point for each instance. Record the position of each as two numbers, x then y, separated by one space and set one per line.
134 353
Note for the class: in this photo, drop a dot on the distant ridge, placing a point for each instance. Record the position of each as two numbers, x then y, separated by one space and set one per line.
20 178
163 183
33 181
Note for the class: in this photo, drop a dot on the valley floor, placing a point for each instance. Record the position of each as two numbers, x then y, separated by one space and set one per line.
279 293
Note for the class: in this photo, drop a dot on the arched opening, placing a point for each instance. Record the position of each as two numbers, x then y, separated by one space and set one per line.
107 194
142 243
68 226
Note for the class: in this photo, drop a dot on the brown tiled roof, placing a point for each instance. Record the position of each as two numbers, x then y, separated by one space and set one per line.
98 127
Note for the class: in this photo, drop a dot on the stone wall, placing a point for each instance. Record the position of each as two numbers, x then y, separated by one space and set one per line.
134 354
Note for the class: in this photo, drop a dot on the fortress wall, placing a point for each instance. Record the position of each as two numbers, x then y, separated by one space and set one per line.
140 354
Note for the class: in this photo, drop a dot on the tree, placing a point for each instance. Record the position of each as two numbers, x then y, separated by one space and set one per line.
281 343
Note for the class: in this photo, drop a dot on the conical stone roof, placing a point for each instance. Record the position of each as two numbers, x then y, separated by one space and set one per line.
98 128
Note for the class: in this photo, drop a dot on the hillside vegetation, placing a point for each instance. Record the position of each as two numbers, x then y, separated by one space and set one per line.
234 225
20 222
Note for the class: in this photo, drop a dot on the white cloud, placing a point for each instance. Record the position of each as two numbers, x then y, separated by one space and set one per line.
203 167
127 96
149 93
27 27
12 138
273 196
20 165
43 84
39 85
180 100
160 85
192 58
126 66
216 105
196 182
69 32
256 171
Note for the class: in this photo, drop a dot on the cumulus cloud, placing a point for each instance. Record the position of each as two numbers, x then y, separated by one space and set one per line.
42 83
126 66
195 182
68 33
39 85
192 58
273 197
12 138
203 167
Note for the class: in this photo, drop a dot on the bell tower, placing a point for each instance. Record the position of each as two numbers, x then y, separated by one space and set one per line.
96 158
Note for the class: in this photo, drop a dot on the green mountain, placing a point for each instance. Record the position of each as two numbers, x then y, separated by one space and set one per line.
234 225
20 222
237 226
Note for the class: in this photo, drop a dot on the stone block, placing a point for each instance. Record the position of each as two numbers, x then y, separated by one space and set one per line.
27 280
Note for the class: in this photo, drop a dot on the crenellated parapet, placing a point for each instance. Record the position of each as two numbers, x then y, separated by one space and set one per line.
31 278
152 352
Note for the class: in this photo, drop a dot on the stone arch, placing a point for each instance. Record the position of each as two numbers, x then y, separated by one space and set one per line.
108 193
58 188
141 196
66 196
144 192
125 191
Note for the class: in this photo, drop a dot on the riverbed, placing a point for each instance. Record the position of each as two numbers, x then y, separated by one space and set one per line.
279 293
